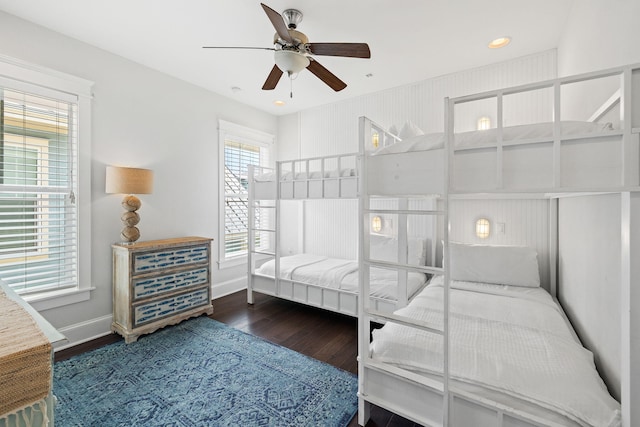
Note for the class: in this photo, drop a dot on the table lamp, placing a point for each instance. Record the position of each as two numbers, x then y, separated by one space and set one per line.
129 181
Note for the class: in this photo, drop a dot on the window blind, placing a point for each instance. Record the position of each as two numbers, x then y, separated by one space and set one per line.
237 157
38 214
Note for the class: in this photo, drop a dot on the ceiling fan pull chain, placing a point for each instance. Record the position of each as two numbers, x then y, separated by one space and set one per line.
291 86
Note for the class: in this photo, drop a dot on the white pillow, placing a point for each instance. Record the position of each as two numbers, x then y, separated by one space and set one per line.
409 130
385 248
504 265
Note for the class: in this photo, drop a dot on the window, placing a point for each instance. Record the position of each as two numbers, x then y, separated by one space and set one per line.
241 147
39 185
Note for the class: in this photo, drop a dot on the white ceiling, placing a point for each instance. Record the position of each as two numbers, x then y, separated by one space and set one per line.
410 40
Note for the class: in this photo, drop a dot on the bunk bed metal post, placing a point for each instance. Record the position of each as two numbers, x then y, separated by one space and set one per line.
403 297
557 161
499 142
626 386
250 234
553 247
276 245
363 254
630 141
449 112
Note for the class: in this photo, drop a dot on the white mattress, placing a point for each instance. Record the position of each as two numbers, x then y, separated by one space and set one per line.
510 340
486 137
340 274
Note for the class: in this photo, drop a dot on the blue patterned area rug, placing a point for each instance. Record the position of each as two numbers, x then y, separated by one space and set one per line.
201 373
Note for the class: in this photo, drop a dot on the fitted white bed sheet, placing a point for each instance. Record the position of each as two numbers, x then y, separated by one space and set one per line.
481 138
340 274
511 341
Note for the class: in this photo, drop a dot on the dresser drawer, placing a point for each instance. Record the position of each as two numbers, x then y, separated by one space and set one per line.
151 311
146 287
144 262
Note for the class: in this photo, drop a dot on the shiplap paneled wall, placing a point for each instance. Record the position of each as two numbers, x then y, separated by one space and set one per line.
526 223
333 229
330 227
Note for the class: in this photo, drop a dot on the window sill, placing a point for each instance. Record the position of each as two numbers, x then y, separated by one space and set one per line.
232 262
58 298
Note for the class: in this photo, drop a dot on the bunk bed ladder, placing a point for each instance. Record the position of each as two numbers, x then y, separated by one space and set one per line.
368 314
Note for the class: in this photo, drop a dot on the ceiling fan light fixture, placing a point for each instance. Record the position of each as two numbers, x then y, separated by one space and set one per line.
291 62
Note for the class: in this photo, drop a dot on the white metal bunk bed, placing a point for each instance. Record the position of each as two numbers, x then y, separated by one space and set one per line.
325 282
448 357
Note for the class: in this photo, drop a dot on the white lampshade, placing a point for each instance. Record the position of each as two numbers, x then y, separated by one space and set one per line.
120 180
290 62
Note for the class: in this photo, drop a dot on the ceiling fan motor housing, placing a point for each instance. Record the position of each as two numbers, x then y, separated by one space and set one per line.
292 17
299 39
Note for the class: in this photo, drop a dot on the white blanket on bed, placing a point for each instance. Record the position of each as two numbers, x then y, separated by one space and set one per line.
509 339
340 274
481 138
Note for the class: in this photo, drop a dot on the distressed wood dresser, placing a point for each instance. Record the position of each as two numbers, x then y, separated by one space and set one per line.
158 283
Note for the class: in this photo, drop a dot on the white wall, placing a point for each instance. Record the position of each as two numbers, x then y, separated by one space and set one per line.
525 222
145 119
589 277
599 34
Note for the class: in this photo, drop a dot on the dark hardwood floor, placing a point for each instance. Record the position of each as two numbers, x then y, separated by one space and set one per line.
323 335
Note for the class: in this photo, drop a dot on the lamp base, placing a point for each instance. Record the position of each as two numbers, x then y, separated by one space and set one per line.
130 233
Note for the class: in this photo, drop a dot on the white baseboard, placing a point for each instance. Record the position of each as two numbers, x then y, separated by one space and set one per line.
95 328
84 331
219 290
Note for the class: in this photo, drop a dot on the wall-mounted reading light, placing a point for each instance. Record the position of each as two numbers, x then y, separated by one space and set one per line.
484 123
483 228
375 139
376 224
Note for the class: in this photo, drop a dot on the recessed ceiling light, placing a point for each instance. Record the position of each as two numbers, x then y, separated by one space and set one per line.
499 42
278 103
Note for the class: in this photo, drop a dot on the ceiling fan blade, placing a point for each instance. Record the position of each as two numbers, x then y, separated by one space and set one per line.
237 47
278 23
351 50
272 79
326 76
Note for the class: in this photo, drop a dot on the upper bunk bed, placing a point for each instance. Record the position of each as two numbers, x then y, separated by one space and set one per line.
556 148
327 177
461 353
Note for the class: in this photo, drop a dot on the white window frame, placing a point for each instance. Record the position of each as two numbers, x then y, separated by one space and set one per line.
245 135
26 77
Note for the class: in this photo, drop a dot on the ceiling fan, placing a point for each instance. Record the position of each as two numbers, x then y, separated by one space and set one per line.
293 52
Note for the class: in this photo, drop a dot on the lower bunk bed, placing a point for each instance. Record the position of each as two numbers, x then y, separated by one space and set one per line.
514 359
331 283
